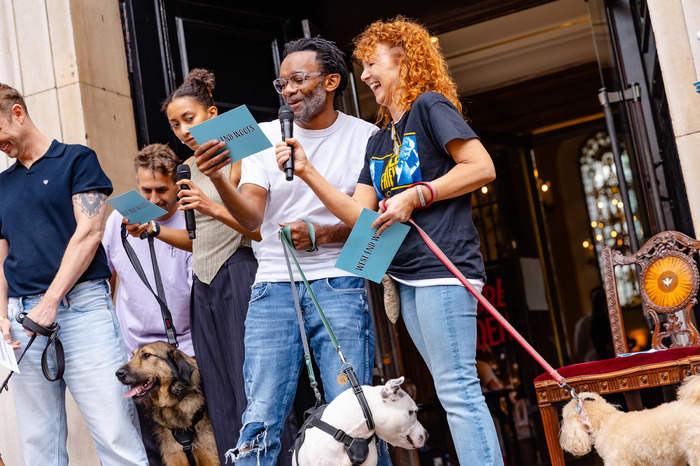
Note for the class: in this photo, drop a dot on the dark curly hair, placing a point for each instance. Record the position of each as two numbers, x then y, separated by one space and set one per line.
198 84
330 58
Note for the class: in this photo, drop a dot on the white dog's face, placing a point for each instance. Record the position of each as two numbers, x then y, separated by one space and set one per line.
396 421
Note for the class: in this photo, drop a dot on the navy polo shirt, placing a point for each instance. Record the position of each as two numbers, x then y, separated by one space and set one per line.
37 218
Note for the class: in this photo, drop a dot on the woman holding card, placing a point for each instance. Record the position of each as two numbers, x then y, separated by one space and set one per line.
423 164
223 264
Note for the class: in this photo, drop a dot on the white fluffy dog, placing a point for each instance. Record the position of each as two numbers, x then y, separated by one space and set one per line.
665 435
394 414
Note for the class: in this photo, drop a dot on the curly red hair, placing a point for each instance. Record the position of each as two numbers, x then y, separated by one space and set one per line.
422 67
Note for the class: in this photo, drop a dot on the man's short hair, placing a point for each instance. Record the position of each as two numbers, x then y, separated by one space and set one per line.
330 58
157 158
8 98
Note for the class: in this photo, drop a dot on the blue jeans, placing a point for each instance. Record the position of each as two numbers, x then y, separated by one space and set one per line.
274 354
94 350
442 323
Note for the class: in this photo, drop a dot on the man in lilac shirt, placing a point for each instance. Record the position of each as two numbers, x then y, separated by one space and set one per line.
137 309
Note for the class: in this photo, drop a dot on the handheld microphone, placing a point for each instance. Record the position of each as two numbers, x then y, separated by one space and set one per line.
286 116
183 173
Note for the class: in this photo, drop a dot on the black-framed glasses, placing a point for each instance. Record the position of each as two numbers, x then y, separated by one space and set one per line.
296 80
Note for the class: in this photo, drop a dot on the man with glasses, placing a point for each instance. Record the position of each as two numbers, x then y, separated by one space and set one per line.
312 73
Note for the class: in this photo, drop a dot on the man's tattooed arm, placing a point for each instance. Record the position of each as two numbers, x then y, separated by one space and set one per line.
90 202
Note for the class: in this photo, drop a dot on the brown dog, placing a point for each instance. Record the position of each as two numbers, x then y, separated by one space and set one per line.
166 381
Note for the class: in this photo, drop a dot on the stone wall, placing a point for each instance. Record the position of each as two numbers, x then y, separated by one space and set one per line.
67 58
675 24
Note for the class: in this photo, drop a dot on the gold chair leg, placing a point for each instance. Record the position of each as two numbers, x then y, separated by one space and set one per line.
550 422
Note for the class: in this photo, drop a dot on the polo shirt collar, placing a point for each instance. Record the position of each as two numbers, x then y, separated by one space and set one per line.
56 149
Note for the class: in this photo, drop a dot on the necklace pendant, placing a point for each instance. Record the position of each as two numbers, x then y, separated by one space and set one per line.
397 144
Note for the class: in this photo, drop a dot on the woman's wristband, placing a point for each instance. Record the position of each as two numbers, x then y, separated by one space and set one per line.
421 199
433 193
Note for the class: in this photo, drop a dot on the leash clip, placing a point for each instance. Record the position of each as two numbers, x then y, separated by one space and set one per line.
566 386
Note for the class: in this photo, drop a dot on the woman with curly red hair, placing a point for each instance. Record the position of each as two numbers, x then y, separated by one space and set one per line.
423 164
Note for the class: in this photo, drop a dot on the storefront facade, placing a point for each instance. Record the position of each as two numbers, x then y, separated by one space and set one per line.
530 75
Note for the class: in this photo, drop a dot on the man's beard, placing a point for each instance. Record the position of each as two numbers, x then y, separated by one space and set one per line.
311 104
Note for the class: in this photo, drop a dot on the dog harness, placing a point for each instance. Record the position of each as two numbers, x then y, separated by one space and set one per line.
185 437
357 449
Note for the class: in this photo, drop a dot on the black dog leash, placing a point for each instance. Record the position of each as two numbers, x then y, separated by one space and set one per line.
51 332
170 331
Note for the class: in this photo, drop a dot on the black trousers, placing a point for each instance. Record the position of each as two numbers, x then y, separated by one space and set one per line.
148 436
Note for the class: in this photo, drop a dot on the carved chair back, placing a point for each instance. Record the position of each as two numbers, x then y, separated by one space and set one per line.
668 283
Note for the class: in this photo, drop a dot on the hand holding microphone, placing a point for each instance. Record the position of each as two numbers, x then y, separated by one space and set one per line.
183 173
286 117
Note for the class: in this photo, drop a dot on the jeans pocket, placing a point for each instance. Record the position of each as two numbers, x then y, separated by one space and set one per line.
13 308
346 284
89 296
259 291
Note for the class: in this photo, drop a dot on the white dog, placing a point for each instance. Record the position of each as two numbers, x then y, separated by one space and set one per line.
394 414
663 436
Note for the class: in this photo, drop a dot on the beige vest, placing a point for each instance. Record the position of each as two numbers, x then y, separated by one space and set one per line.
215 241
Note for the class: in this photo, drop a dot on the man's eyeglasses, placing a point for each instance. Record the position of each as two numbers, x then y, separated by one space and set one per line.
296 80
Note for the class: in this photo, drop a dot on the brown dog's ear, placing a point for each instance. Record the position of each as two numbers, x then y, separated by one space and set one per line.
181 370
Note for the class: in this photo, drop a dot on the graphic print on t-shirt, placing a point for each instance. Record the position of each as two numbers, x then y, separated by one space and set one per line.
394 172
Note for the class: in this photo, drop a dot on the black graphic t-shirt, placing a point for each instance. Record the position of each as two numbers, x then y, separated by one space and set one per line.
423 132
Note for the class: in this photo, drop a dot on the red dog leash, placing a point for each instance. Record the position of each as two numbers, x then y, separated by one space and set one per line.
561 381
489 307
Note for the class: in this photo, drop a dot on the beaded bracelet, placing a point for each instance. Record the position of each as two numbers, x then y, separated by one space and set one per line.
433 193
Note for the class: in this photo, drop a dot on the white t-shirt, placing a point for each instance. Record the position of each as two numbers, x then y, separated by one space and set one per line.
338 154
137 309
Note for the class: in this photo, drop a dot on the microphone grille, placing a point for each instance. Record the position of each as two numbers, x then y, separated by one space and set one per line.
183 172
286 113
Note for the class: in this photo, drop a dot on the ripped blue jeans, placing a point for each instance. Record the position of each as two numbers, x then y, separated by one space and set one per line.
274 354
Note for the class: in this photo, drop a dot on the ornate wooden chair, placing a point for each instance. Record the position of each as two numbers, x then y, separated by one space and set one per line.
668 281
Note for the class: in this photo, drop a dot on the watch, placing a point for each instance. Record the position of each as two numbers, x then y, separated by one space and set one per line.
155 229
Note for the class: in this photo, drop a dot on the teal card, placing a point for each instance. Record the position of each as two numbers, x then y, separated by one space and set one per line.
367 254
136 208
237 128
